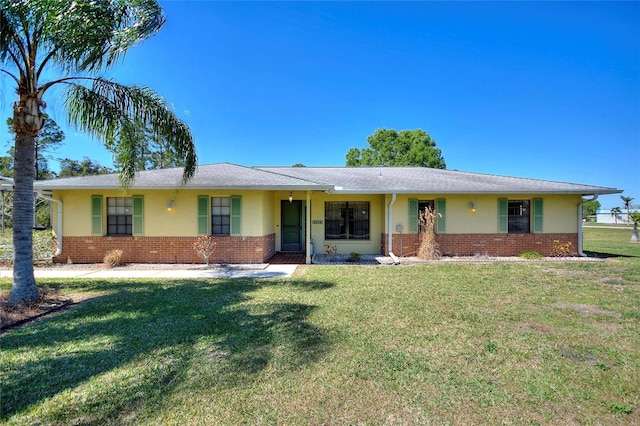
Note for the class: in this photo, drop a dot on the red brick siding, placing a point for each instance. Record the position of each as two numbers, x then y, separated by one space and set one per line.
483 244
166 249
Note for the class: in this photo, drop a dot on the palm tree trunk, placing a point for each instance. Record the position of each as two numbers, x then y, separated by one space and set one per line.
27 120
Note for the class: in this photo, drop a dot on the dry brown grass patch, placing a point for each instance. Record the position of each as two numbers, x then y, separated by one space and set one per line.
584 310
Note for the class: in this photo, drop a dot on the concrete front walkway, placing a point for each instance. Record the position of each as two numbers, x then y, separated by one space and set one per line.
234 271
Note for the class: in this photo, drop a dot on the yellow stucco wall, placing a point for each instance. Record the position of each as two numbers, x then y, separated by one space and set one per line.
560 212
181 220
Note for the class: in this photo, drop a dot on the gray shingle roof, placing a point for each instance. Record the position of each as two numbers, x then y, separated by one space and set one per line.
432 181
367 180
211 176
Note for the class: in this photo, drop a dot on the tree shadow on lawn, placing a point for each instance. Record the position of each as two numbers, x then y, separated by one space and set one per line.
601 255
144 337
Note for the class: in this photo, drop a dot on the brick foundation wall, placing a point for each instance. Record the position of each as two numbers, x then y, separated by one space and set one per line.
483 244
166 249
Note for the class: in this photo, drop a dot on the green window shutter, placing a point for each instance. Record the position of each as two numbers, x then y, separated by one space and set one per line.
203 215
503 215
236 215
537 215
96 215
441 215
137 202
414 214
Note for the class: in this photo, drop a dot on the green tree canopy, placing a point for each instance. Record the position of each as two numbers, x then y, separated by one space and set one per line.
589 208
388 147
86 167
71 44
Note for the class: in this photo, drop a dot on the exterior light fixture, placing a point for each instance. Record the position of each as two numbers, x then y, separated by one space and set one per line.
170 205
290 197
473 207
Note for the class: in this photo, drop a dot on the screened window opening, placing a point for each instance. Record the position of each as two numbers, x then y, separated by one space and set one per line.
119 215
220 215
519 212
346 220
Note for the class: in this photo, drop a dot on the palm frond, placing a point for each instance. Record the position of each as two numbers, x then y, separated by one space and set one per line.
112 112
80 36
12 51
6 29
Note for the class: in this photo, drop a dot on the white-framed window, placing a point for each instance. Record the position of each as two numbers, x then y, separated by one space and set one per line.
119 215
220 215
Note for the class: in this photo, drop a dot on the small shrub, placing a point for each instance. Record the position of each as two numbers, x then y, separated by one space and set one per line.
204 247
354 257
530 255
331 250
561 249
113 258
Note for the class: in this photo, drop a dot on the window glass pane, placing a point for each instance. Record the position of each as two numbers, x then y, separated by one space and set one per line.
358 220
335 224
220 215
347 220
119 218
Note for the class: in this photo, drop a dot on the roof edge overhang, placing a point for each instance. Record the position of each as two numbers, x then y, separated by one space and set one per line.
582 193
326 188
189 187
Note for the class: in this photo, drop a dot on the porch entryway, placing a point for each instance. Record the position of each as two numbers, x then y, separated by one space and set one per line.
292 226
293 258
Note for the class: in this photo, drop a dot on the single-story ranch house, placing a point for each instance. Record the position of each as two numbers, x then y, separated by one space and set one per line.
255 212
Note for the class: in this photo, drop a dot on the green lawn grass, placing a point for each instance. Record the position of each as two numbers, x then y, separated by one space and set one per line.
439 343
610 242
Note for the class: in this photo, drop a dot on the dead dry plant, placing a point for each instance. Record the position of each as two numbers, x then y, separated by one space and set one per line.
113 258
428 249
204 247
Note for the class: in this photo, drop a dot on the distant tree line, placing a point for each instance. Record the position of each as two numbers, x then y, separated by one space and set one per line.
155 155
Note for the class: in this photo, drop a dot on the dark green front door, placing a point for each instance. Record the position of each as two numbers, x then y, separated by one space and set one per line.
291 225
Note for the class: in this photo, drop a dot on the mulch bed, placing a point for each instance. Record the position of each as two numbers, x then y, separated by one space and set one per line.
17 314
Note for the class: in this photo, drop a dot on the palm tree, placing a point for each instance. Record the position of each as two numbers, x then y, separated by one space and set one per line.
627 205
615 212
635 218
72 44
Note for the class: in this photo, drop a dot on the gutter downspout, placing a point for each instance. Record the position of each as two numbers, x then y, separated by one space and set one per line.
58 229
580 238
396 261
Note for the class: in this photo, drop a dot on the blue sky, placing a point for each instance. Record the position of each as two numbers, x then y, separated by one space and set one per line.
547 90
